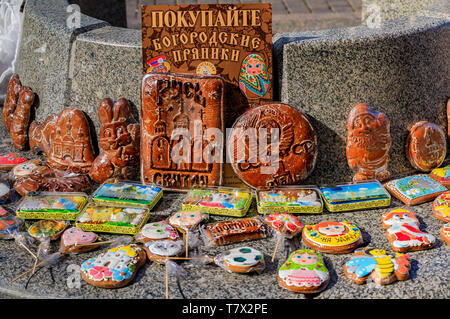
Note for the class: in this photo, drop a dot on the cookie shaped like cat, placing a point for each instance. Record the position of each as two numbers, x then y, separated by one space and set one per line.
114 268
157 231
381 268
402 230
304 272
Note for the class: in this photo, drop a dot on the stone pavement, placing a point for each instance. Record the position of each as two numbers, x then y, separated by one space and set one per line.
288 15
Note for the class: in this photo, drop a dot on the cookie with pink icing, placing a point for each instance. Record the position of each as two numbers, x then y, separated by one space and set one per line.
284 223
445 232
304 272
75 236
161 230
402 230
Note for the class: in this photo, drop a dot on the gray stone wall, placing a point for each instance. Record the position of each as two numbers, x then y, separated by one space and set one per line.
400 67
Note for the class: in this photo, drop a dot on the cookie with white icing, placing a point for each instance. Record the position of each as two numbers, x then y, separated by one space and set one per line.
243 260
286 224
158 249
402 231
333 237
304 272
114 268
186 220
161 230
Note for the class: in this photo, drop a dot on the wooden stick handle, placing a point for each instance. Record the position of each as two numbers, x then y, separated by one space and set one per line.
27 249
276 248
167 281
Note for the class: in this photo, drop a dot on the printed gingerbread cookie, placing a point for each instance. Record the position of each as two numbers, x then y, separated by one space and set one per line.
26 168
8 161
243 260
416 189
441 207
445 232
158 249
403 231
161 230
75 236
286 224
333 237
375 264
114 268
304 272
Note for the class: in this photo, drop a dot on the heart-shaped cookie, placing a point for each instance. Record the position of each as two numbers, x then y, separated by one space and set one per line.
76 236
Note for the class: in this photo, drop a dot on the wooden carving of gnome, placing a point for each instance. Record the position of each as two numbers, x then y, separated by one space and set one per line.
119 140
368 143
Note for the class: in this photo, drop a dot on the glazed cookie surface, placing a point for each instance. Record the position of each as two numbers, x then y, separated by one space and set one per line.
441 207
157 231
416 189
158 249
114 268
243 260
284 223
9 224
403 231
377 265
42 229
186 220
333 237
304 272
76 236
445 232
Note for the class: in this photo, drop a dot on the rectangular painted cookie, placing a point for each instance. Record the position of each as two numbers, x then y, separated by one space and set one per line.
441 175
51 205
290 199
113 219
182 125
225 201
416 189
127 193
237 230
355 196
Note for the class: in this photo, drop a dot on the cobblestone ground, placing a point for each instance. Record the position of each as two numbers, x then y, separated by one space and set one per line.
288 15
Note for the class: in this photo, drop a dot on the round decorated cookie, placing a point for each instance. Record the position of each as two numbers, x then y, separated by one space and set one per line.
26 168
445 232
243 260
285 223
402 231
333 237
8 225
441 207
377 265
158 249
8 161
75 236
157 231
186 220
42 229
304 272
114 268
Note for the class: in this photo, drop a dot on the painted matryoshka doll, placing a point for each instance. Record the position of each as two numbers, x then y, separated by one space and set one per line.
253 77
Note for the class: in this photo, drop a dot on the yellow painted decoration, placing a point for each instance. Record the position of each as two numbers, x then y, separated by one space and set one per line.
340 240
